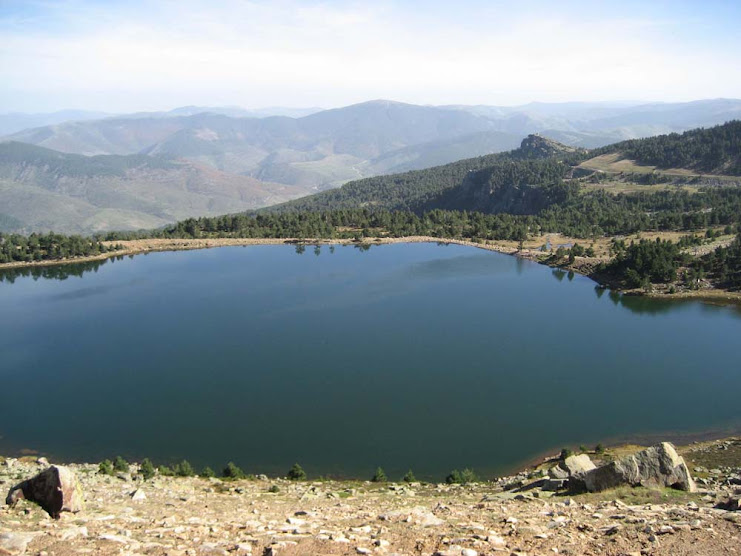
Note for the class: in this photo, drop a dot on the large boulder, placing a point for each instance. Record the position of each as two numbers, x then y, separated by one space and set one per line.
571 466
55 489
658 466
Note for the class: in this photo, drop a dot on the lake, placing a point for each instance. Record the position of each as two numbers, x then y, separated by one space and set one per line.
421 356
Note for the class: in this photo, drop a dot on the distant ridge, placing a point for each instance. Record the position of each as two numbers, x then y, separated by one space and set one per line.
44 190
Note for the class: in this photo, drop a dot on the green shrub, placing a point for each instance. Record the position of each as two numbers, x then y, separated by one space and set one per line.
166 471
231 471
274 489
120 465
146 469
297 473
184 469
461 477
379 476
207 472
565 453
105 467
409 477
599 449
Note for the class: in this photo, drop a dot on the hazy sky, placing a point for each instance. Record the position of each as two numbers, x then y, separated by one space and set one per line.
122 56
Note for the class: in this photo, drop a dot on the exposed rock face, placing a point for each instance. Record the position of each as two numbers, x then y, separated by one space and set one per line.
658 466
55 489
537 146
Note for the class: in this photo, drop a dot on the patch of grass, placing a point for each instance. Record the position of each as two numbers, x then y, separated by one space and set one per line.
638 496
713 455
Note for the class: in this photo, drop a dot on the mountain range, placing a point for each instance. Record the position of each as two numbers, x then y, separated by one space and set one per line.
199 161
327 148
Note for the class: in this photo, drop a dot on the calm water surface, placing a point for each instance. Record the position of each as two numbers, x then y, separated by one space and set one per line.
405 356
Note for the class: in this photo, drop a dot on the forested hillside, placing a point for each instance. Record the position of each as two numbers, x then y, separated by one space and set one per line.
716 150
43 190
505 182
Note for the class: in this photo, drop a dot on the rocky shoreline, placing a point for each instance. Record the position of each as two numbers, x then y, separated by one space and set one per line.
125 514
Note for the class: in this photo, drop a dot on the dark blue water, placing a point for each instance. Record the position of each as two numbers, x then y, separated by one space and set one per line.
404 356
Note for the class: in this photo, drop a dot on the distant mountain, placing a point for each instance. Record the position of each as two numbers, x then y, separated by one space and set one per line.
45 190
331 147
321 150
16 121
231 111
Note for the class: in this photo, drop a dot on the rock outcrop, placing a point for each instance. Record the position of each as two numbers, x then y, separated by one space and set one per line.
658 466
55 489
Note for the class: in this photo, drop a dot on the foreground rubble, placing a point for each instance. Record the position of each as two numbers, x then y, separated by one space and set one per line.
193 516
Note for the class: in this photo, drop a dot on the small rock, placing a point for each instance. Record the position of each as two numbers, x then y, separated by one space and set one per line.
138 495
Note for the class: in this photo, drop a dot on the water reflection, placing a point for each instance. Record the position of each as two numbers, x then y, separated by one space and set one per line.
56 272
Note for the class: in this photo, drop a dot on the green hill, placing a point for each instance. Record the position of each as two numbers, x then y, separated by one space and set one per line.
507 182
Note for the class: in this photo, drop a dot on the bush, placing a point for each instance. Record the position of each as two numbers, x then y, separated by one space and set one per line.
565 453
166 471
184 469
146 469
461 477
231 471
296 473
120 465
379 476
105 467
274 489
409 477
207 473
599 449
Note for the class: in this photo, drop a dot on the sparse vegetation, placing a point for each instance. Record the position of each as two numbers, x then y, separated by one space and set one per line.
457 477
207 473
379 476
120 465
184 469
105 467
409 477
231 471
296 473
146 469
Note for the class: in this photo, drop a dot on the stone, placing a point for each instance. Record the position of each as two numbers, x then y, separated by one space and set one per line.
658 466
55 489
554 484
138 495
571 466
14 543
732 504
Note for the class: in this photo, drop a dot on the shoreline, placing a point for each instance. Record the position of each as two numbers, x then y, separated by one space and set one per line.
144 246
683 441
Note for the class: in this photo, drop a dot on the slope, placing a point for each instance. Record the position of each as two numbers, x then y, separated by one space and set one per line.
43 190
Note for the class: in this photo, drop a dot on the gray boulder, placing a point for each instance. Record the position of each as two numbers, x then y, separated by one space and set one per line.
658 466
55 489
571 466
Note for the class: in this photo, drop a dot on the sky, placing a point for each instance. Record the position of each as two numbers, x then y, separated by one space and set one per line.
125 56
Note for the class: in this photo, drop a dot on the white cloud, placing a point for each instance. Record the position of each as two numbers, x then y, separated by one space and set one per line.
294 53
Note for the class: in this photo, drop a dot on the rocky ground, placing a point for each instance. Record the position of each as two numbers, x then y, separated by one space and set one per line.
193 516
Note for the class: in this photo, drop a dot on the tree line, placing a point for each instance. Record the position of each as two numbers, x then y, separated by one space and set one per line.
41 247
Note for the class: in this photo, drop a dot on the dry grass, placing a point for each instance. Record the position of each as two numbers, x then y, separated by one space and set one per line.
615 164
